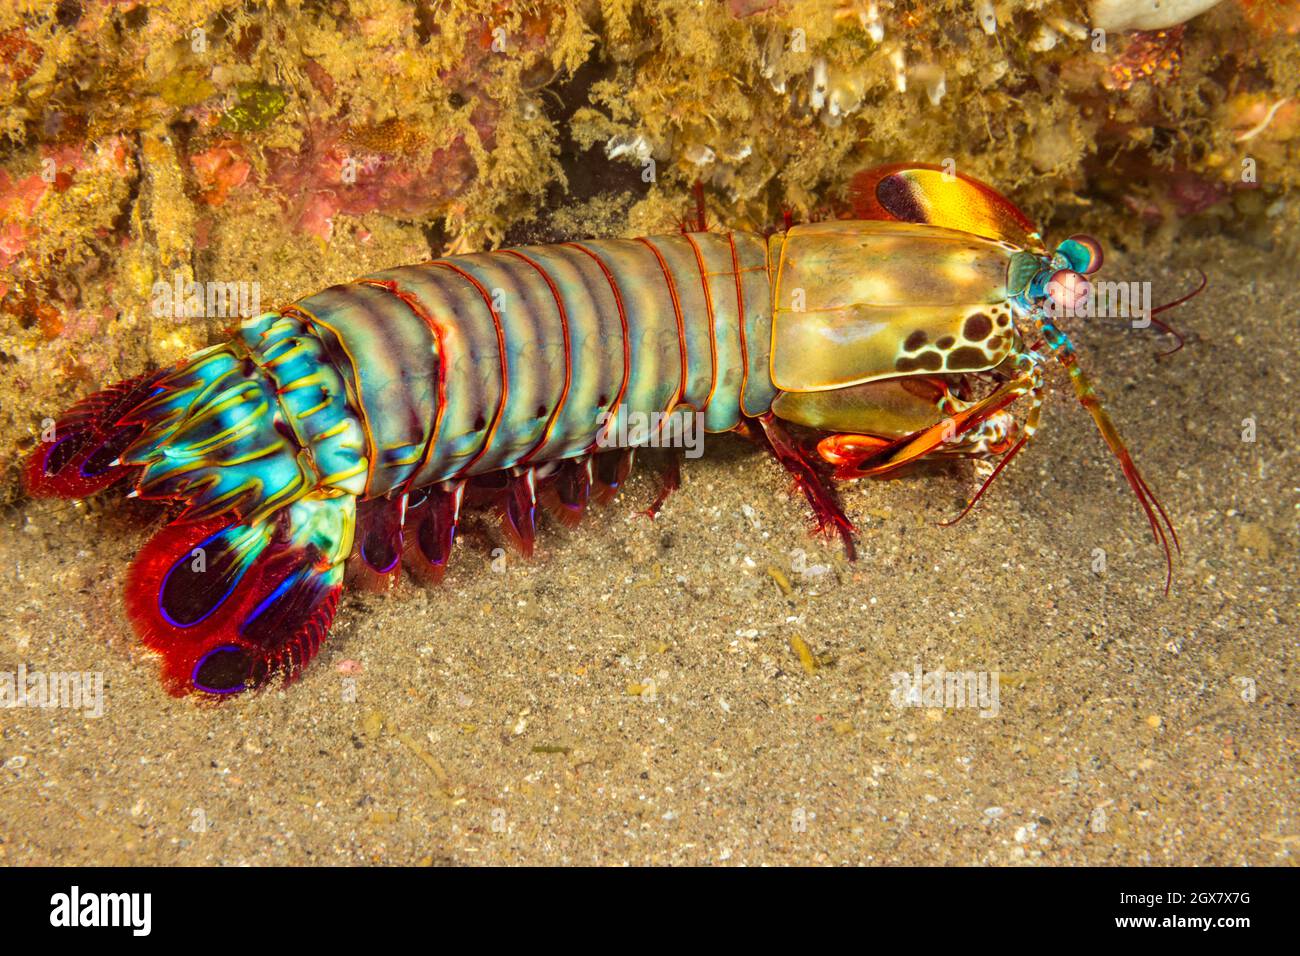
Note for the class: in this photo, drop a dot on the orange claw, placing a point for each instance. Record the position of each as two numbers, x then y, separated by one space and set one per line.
849 450
913 447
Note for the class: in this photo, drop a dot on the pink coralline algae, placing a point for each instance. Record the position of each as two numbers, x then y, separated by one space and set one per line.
20 197
220 170
333 177
18 201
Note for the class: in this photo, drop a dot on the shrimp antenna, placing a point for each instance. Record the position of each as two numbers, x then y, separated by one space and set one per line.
1167 329
1146 497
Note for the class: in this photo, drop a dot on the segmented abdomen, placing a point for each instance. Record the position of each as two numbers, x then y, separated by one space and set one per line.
474 363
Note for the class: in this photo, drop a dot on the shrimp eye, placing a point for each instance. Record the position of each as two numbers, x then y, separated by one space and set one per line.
1083 253
1067 289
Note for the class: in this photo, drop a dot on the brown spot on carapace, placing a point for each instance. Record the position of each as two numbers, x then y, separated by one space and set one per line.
946 343
915 341
977 327
967 357
1002 321
928 361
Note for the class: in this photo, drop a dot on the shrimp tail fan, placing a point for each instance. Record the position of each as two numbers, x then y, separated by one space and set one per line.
231 605
79 454
241 586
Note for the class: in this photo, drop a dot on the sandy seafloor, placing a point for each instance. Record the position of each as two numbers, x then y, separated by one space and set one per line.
496 719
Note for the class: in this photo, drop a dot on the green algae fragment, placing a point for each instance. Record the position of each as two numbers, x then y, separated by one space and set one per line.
257 105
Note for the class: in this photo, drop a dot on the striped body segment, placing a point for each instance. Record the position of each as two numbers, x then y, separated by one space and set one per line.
477 363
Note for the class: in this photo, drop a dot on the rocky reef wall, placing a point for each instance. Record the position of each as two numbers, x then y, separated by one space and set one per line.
162 161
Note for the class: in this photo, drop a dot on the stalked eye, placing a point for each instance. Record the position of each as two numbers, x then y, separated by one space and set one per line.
1067 290
222 670
1083 253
